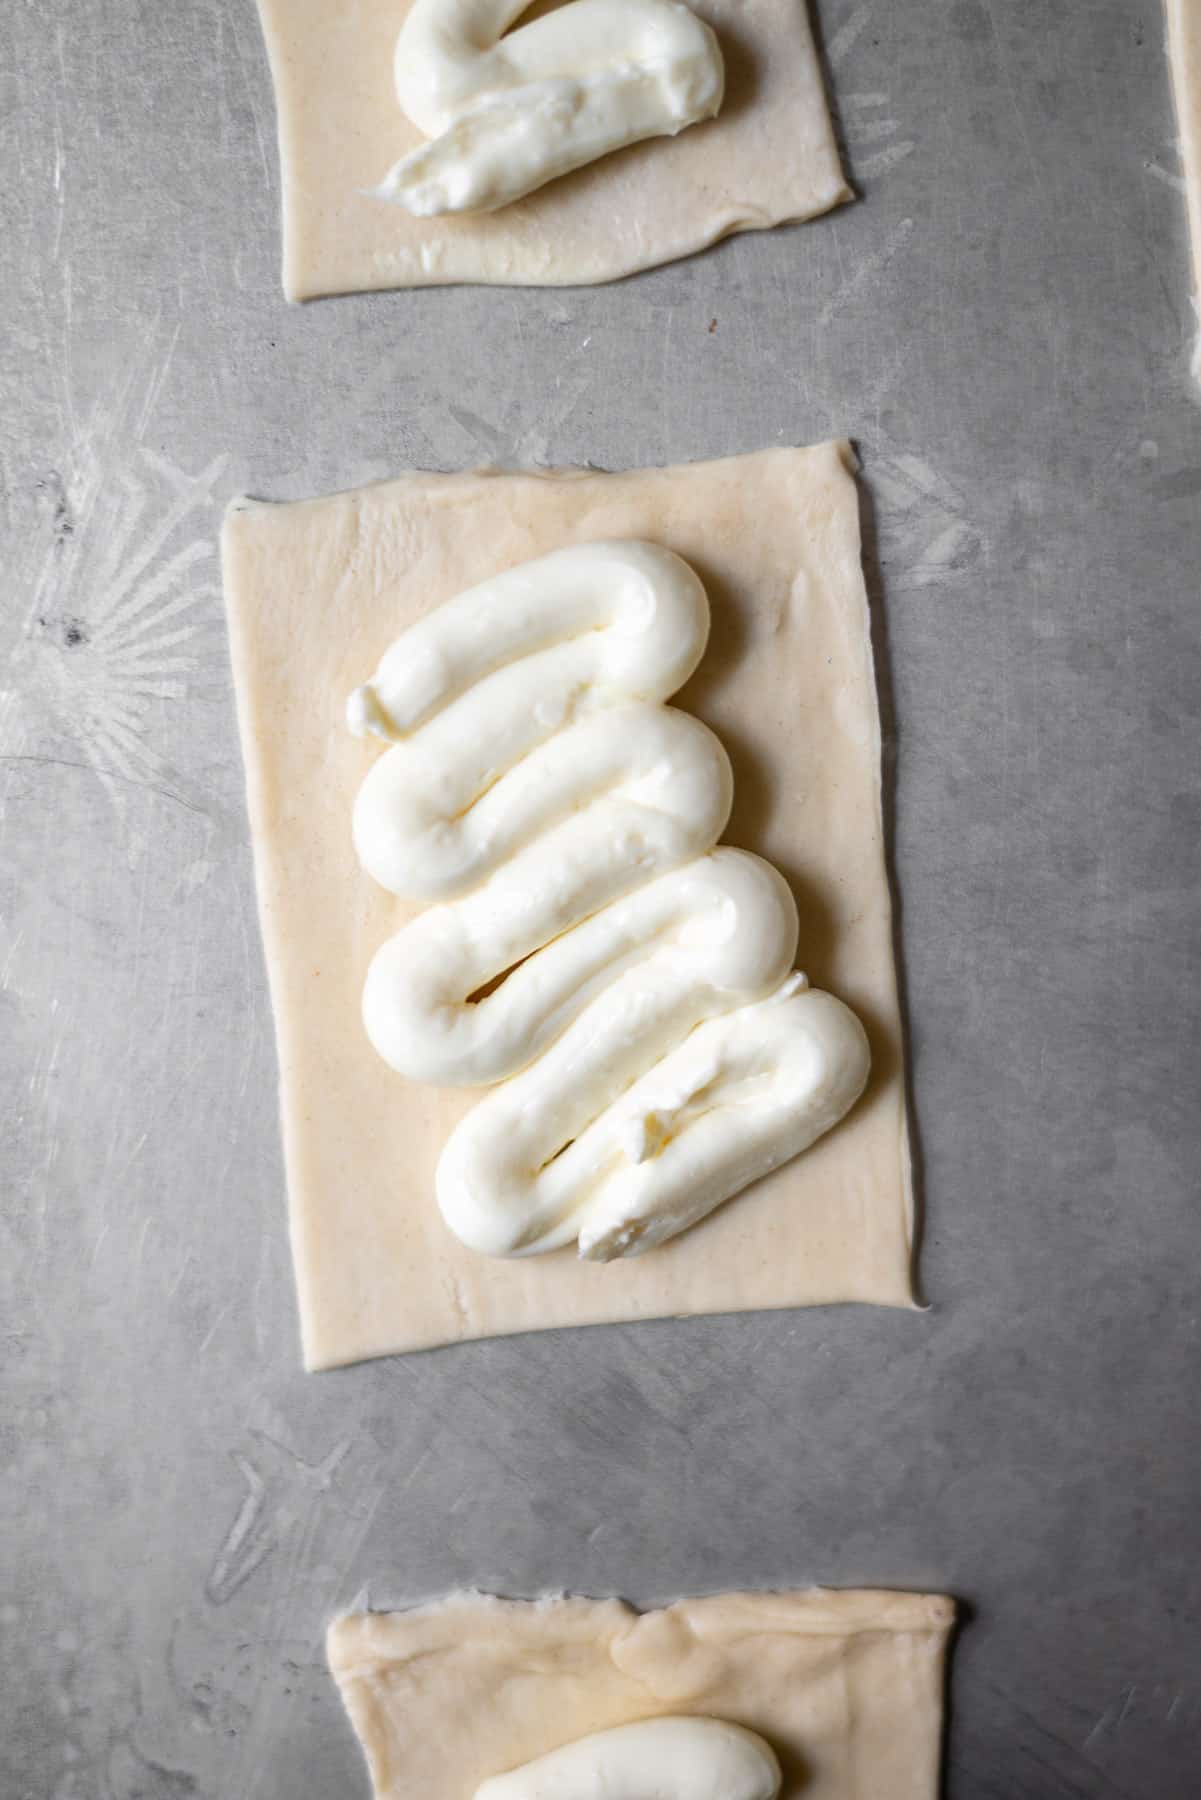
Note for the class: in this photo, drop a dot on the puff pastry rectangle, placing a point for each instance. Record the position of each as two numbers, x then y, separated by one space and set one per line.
1184 50
768 157
847 1687
315 592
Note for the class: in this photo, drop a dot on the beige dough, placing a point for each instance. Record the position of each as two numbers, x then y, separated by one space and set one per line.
846 1687
316 591
769 156
1184 48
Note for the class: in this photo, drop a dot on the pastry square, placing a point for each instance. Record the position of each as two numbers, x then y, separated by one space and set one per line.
847 1687
316 591
770 156
1184 49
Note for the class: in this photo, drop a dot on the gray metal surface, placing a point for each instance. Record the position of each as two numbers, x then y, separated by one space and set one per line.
1001 324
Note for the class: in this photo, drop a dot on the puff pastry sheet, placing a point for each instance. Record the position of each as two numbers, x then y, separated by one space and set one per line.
846 1686
1184 49
768 157
315 592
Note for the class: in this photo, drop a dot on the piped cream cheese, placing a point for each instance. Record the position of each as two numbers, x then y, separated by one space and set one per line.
655 1759
504 114
654 1049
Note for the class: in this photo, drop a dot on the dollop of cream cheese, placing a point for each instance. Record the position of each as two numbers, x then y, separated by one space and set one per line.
584 945
505 114
657 1759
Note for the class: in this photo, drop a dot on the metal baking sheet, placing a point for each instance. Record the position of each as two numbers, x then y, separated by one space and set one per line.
1000 323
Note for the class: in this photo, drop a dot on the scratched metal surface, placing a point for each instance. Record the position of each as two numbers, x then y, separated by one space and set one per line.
1001 324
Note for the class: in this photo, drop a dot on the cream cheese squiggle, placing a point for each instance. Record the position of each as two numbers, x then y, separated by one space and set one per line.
505 114
655 1759
655 1050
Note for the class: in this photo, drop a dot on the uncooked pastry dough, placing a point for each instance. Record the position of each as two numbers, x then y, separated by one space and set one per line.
316 592
846 1687
1184 47
768 157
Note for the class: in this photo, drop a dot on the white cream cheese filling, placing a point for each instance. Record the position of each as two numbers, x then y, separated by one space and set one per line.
656 1052
656 1759
504 114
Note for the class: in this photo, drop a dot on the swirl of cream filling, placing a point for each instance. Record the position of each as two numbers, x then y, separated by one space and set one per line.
585 945
505 114
656 1759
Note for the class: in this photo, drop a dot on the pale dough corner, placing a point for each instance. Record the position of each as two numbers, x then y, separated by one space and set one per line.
846 1686
768 158
1184 51
315 591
